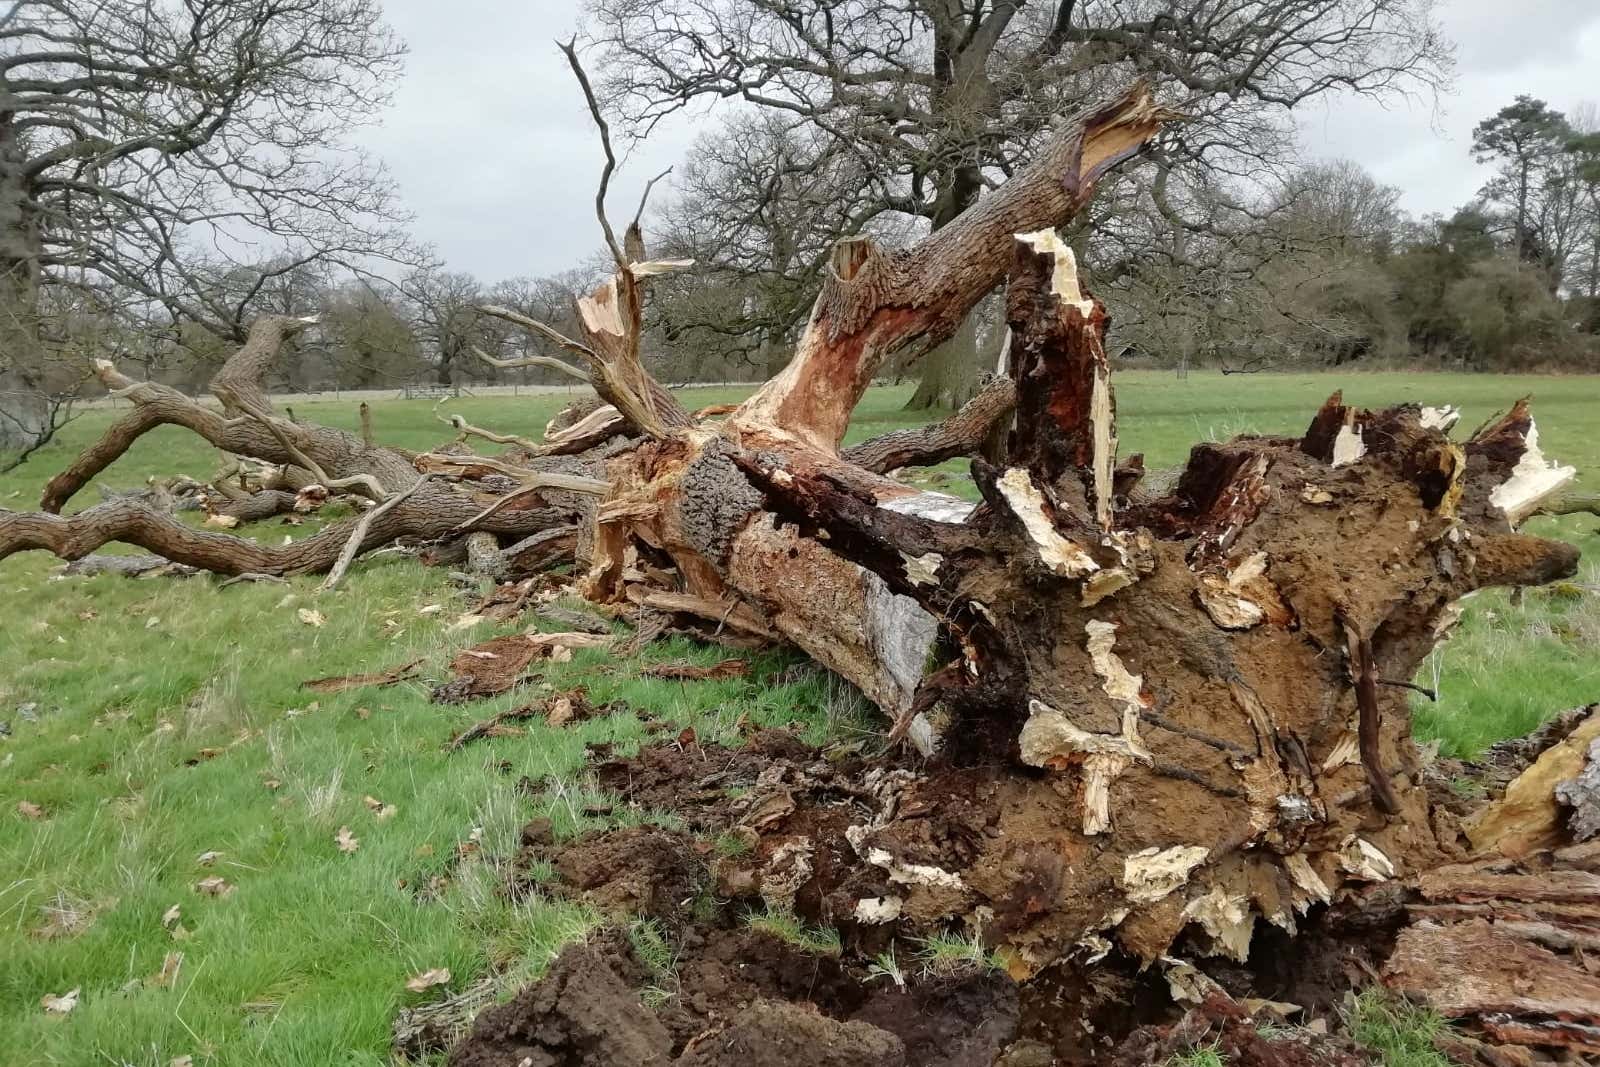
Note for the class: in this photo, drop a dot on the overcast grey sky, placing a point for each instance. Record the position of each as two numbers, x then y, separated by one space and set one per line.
493 150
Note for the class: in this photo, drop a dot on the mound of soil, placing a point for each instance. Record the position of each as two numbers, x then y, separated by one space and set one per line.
1238 1039
889 856
738 997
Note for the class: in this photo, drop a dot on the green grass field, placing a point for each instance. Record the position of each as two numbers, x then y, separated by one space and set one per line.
153 722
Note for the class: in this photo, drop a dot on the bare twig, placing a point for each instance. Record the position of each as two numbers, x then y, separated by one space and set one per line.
542 329
645 196
58 412
532 361
571 53
359 533
462 426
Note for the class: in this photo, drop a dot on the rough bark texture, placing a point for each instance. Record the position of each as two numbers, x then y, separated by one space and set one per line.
962 434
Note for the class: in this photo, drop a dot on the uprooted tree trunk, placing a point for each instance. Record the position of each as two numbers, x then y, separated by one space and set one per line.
1186 708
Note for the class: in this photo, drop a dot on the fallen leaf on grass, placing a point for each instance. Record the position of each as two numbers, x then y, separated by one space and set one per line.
214 886
29 810
206 859
430 609
168 975
272 783
378 807
346 841
55 1005
560 711
728 668
310 616
172 922
418 982
181 1061
64 916
464 622
340 682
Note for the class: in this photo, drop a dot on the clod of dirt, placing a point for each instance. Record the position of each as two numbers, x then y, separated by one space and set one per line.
340 682
1225 1028
639 870
486 669
739 996
558 709
777 1034
580 1013
948 1023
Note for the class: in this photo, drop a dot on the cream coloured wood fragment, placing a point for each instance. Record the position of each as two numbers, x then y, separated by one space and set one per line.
1099 771
923 569
1532 481
913 873
1224 599
1063 556
935 507
1095 948
658 266
1153 873
1104 583
1440 418
1346 750
600 312
1105 443
1187 983
1362 859
1227 919
1309 886
1050 736
1122 686
875 910
1315 494
1348 445
1064 276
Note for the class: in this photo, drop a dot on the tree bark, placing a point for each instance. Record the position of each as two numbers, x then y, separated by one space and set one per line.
950 373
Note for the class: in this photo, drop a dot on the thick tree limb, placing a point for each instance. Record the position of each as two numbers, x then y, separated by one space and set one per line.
875 303
962 434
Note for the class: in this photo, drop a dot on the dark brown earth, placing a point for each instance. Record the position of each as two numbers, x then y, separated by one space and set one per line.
1222 1026
739 994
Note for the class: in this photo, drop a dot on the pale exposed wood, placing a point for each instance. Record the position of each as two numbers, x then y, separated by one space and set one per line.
1528 817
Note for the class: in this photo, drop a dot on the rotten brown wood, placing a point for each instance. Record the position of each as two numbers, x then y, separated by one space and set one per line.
1370 721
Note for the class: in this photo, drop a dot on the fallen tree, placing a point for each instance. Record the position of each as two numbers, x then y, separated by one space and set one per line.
1154 715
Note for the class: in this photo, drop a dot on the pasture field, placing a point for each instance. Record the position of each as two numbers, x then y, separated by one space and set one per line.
157 737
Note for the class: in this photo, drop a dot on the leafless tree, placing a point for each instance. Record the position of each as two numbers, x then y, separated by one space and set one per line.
444 311
939 98
758 206
149 148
